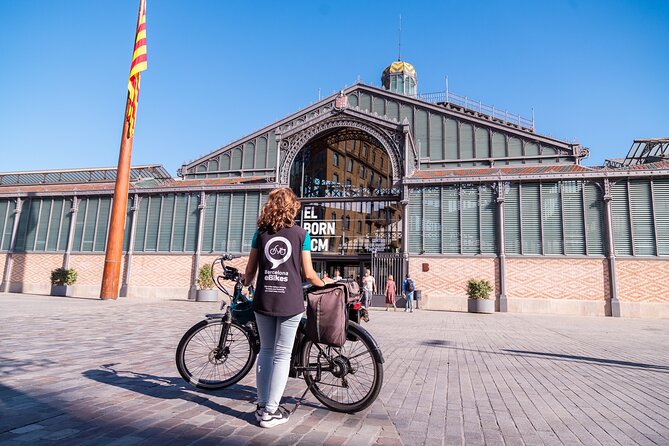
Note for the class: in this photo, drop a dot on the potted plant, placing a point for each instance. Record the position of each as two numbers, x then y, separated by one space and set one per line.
61 279
478 291
205 285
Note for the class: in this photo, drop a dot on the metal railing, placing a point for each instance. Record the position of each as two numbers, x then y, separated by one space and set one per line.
478 106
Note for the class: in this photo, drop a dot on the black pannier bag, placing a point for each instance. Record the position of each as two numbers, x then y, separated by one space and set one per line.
327 314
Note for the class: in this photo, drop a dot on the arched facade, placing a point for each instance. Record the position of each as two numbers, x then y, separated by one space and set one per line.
461 194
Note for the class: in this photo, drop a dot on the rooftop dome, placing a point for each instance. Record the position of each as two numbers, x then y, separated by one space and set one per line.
400 67
400 77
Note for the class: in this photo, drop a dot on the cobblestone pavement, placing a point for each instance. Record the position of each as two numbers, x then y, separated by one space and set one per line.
85 371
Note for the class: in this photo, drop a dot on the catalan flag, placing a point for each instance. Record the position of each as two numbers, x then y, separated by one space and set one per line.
136 67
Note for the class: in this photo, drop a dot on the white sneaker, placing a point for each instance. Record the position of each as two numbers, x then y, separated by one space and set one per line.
259 412
280 416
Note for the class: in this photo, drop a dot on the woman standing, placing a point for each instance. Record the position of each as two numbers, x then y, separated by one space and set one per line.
390 292
280 254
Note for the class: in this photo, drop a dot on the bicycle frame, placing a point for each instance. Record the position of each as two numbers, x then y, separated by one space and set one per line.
230 273
296 366
346 379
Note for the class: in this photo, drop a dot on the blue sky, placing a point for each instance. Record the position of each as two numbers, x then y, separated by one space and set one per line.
596 72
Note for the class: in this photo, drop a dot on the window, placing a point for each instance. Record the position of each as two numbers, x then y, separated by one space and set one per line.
453 219
310 177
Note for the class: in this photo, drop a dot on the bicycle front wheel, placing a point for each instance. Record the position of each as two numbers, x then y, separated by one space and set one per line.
202 363
345 379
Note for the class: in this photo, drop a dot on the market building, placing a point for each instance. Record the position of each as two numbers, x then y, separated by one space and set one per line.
436 185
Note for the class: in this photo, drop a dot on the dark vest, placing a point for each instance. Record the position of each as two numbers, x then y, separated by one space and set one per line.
279 284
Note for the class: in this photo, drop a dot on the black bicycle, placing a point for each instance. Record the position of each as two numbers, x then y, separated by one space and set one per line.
220 350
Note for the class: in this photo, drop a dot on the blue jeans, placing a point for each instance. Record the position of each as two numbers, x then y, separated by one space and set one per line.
277 335
409 302
366 298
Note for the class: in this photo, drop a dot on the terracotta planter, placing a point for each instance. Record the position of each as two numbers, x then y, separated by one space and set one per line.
206 295
60 290
486 306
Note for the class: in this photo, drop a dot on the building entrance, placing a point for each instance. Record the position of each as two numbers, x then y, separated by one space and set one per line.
381 266
347 268
350 206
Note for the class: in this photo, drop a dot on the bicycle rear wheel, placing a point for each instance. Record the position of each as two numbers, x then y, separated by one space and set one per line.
203 364
345 379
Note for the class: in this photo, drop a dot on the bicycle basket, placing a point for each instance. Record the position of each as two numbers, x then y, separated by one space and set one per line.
242 312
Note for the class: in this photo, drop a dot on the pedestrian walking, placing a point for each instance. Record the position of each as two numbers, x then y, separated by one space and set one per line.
368 288
337 275
390 292
281 254
408 288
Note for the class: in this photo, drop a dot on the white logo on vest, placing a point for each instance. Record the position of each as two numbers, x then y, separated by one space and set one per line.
278 250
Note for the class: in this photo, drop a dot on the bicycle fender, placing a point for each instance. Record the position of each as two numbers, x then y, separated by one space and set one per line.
215 316
376 351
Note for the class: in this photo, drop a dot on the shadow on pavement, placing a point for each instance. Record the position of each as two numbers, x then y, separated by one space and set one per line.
175 388
172 388
10 366
554 356
639 365
12 418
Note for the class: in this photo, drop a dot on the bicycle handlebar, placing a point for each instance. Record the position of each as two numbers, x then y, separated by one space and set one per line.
232 274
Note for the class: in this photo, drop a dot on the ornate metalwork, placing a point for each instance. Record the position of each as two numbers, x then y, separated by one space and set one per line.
291 146
606 189
317 188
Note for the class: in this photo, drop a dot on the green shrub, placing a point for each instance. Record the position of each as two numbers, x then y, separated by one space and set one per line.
479 289
63 276
205 277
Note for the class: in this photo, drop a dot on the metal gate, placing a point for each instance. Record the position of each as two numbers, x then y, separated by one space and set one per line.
383 264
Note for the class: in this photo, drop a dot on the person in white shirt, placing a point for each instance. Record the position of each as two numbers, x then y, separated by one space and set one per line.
368 288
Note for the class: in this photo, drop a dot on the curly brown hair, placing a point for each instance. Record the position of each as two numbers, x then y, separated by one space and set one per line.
280 210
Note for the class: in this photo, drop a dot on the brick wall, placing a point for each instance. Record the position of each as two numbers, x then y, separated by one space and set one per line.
160 270
450 275
34 269
3 261
534 284
443 287
542 278
89 268
643 280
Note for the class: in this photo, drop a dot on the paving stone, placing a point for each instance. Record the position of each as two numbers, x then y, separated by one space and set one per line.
499 379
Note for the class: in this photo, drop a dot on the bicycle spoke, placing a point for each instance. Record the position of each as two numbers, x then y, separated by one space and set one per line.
206 364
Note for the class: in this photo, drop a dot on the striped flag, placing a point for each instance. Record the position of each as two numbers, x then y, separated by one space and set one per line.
136 67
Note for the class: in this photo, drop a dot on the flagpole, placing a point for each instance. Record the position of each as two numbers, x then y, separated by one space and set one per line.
112 269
